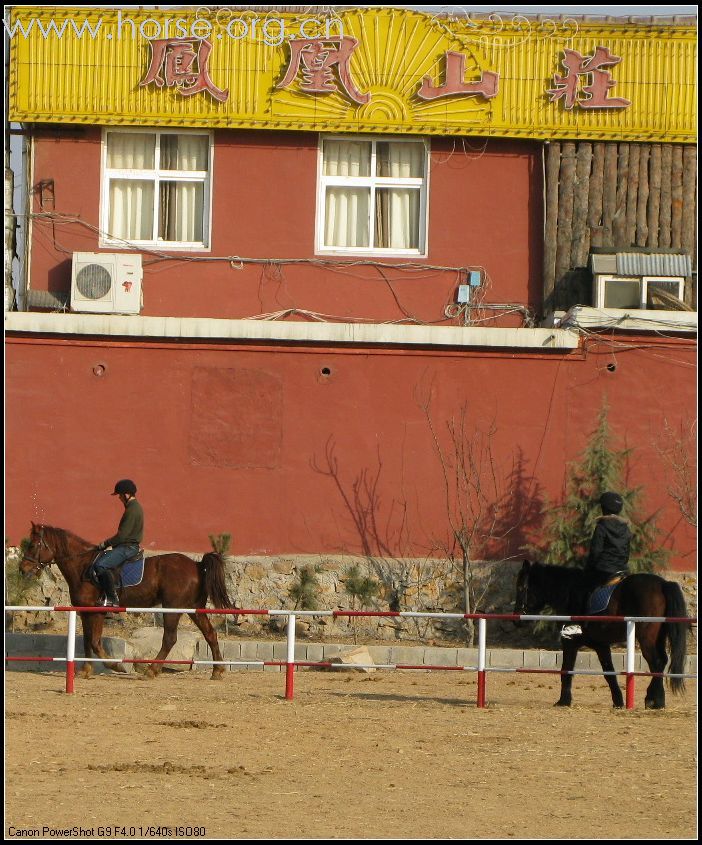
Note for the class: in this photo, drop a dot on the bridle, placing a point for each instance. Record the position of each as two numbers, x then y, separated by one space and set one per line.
40 564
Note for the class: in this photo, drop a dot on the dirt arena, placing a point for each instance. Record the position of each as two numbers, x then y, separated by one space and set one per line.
388 755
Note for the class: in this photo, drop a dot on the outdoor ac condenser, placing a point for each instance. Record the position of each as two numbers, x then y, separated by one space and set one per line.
106 283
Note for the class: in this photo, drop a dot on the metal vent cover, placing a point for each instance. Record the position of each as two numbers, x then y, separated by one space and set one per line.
93 281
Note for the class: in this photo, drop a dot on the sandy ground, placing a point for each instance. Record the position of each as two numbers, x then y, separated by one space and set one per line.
388 755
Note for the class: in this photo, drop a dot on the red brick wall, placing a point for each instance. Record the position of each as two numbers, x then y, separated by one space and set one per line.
238 439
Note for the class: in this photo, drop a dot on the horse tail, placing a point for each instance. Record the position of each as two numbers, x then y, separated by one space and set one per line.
213 569
676 633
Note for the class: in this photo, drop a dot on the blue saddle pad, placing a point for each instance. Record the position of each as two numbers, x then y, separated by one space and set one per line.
133 572
600 598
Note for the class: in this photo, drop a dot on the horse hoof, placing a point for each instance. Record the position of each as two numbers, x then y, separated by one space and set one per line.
150 674
562 704
217 674
654 705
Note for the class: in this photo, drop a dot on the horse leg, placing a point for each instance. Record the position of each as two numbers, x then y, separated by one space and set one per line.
656 656
170 628
570 652
208 632
96 646
87 620
604 653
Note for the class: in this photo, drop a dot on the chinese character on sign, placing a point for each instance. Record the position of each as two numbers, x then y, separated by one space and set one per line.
315 59
455 72
600 81
175 61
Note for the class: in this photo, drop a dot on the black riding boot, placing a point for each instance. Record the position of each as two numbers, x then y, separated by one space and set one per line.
107 583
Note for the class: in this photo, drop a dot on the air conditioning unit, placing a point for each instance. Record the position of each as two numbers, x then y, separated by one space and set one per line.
106 283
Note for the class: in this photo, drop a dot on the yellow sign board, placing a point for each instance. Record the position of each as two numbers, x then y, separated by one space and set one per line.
363 70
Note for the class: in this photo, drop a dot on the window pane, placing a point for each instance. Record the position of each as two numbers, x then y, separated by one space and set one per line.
658 294
405 161
131 150
397 218
131 215
346 218
622 294
181 206
347 158
184 152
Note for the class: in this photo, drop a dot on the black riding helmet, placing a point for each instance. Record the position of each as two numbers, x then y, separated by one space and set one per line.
125 486
611 503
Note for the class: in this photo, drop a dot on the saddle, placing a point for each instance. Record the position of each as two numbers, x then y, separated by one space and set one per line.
127 574
599 598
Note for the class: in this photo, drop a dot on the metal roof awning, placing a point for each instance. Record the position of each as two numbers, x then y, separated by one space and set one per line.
642 263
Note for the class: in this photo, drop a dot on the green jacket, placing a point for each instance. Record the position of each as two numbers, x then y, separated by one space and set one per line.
131 526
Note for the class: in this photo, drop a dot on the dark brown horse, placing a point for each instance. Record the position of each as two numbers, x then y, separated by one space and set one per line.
540 585
170 580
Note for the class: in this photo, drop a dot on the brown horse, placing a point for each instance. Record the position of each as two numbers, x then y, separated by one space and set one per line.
170 580
540 585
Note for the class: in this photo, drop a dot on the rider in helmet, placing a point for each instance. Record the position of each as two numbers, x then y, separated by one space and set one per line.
609 552
124 544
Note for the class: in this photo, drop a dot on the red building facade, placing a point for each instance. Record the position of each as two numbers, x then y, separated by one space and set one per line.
294 361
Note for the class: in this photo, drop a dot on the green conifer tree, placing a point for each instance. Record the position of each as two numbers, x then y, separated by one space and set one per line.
568 527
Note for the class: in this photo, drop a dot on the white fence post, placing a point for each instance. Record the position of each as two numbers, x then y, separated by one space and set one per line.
482 628
630 663
290 658
71 651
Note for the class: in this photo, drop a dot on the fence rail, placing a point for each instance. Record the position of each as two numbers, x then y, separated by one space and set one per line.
291 664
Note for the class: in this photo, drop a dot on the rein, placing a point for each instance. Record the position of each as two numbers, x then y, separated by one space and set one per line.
40 543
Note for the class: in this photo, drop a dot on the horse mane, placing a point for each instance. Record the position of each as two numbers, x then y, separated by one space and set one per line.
60 538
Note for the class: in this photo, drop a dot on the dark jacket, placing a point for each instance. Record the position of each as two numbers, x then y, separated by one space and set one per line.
131 526
609 548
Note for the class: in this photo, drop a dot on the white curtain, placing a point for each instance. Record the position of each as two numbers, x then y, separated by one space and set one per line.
131 150
184 152
397 209
180 202
181 206
131 215
401 161
396 224
347 209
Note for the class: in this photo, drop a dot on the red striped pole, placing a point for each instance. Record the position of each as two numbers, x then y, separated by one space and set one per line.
290 659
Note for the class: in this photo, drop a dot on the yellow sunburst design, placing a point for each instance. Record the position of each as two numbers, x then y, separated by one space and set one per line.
395 51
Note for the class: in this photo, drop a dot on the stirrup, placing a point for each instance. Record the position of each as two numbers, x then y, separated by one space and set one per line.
570 631
107 601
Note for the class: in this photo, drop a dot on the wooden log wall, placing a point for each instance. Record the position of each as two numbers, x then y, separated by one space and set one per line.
616 195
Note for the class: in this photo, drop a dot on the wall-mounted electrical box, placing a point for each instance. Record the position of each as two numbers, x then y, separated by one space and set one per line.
463 294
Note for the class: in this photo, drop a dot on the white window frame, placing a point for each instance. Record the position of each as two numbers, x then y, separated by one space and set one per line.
372 182
156 175
601 282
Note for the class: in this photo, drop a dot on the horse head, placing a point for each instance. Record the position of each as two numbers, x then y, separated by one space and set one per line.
38 554
529 599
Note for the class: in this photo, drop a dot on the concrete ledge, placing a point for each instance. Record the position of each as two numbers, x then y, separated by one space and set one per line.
256 652
276 331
